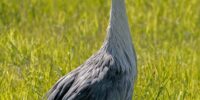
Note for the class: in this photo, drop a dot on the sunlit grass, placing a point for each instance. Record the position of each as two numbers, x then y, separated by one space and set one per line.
42 40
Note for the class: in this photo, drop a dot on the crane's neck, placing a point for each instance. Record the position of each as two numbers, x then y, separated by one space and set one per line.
118 42
118 30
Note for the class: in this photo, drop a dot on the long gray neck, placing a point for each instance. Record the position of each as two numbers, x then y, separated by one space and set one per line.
118 42
118 30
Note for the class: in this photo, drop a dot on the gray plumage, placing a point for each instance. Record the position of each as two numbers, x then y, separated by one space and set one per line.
110 73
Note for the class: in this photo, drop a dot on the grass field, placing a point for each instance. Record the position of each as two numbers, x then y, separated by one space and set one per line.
42 40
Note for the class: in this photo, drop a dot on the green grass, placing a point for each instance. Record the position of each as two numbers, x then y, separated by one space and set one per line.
42 40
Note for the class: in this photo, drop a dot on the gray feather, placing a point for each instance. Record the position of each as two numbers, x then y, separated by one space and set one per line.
107 75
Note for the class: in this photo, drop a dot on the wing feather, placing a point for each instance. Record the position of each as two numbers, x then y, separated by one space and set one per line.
84 83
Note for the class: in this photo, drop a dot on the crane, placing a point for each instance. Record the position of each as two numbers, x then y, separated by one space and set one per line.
110 73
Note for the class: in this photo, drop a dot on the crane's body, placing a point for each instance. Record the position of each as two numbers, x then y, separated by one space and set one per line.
110 73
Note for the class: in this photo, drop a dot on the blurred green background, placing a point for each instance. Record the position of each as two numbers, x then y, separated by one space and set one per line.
42 40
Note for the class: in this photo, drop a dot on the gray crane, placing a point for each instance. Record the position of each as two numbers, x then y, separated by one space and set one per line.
110 73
